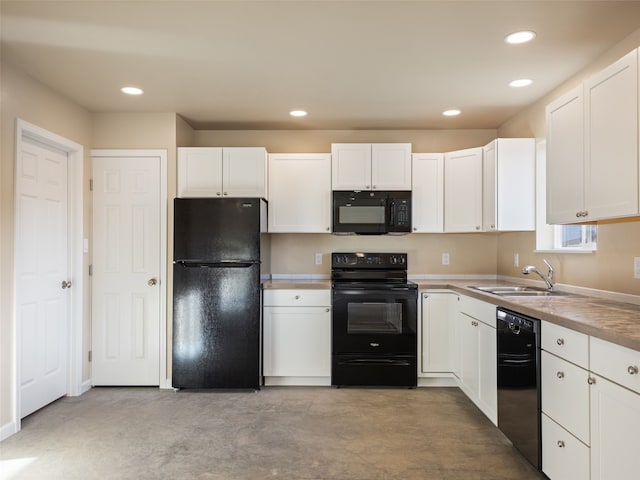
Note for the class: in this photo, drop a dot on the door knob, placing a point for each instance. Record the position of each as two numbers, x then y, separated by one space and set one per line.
66 284
152 282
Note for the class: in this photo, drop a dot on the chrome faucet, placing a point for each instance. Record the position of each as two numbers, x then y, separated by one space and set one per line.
548 278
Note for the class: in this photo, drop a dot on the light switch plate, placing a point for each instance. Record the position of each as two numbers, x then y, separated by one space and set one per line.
445 259
636 267
516 260
318 259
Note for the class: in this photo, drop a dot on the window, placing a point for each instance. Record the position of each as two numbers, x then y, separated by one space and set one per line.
558 238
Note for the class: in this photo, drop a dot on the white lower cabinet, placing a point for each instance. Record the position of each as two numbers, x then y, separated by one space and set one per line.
563 455
478 354
565 403
297 337
437 333
615 411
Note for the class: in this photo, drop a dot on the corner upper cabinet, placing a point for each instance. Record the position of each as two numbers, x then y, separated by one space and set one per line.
509 191
222 172
592 147
366 166
300 193
463 190
428 192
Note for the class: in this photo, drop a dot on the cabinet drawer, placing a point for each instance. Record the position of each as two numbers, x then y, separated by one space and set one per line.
563 455
619 364
566 343
297 298
565 395
483 311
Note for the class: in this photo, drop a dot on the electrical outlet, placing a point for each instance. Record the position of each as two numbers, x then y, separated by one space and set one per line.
445 259
516 259
636 267
318 259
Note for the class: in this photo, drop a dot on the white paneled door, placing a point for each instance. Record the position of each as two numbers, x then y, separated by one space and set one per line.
126 270
42 275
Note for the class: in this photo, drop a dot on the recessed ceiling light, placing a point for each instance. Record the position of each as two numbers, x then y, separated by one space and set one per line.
132 90
520 37
451 113
298 113
522 82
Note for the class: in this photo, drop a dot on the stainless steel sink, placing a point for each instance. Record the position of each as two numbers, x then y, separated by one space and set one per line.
518 291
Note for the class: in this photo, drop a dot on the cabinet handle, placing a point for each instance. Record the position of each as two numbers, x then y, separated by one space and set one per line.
633 369
560 341
373 187
560 375
415 228
327 310
297 297
578 214
226 193
591 380
477 227
474 323
560 443
328 229
218 194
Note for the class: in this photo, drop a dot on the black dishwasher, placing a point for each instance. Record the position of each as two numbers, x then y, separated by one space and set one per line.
518 350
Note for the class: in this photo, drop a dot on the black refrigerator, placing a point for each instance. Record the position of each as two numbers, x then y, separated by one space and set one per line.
216 292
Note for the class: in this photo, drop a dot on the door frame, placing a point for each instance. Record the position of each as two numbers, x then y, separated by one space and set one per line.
75 245
163 381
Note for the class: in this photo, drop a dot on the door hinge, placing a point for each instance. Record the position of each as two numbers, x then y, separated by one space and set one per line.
90 270
90 355
91 184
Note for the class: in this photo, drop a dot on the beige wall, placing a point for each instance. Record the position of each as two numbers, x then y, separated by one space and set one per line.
611 268
24 98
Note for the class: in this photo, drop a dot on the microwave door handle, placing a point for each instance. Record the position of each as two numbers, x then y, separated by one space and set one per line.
392 213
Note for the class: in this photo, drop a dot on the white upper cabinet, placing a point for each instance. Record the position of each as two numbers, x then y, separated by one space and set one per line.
565 157
428 192
222 172
611 150
365 166
300 193
509 185
592 147
463 190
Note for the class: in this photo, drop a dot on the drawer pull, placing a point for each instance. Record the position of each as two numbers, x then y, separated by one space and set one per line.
591 380
560 341
560 443
560 375
297 297
633 370
327 310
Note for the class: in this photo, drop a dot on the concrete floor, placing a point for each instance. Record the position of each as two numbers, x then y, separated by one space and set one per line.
291 433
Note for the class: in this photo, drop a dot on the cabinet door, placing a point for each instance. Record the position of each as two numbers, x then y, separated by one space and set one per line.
487 371
391 166
469 372
436 354
244 172
297 342
615 432
509 195
428 192
611 153
351 166
565 158
463 190
300 193
199 172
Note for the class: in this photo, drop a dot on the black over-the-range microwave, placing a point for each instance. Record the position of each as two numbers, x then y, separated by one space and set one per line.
371 212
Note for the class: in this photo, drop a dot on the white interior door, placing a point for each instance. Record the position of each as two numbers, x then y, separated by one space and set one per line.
126 270
42 265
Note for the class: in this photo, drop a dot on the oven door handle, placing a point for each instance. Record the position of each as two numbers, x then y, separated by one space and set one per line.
374 361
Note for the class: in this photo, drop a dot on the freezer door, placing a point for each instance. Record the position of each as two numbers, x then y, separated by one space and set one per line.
211 230
216 326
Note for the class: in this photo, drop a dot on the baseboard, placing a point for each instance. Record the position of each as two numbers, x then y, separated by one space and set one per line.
437 382
7 430
297 381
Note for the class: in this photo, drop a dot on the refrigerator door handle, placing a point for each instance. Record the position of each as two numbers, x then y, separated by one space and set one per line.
230 264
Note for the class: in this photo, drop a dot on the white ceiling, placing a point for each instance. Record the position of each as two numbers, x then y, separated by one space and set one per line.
350 64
